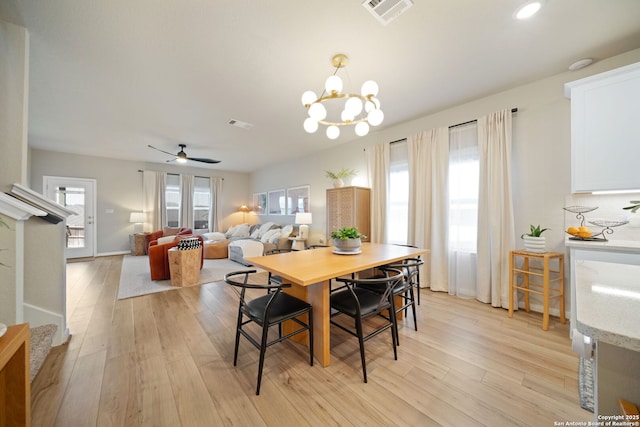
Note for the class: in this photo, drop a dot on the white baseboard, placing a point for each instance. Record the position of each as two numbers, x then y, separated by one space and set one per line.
37 316
539 309
114 253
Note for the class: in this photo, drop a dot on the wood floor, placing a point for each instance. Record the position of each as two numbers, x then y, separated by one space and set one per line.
166 360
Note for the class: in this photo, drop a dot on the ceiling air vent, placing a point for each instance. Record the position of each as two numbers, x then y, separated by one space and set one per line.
239 124
386 11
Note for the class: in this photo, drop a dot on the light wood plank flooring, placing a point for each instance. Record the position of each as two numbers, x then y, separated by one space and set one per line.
166 360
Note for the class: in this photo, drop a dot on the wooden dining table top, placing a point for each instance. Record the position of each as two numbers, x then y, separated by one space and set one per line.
317 265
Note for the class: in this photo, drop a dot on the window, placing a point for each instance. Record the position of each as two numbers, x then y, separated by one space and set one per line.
172 197
398 216
464 176
201 202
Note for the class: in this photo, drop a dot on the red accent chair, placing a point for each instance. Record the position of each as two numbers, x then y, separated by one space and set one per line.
168 231
159 257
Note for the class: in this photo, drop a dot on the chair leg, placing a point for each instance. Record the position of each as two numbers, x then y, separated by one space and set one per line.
310 314
263 350
394 314
238 326
361 342
413 308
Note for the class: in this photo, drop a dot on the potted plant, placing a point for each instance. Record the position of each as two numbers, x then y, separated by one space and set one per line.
347 240
633 220
339 176
533 241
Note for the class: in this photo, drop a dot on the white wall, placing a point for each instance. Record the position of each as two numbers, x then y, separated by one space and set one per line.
541 150
119 190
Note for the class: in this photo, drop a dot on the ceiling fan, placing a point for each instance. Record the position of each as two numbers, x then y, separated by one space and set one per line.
182 156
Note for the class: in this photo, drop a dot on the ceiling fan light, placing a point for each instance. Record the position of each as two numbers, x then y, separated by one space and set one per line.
362 129
310 125
353 106
333 132
181 160
308 98
317 111
375 117
369 88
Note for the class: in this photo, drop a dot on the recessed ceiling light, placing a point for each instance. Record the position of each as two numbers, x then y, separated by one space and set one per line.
527 10
580 64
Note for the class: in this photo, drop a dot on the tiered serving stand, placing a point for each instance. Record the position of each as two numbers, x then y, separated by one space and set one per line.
607 226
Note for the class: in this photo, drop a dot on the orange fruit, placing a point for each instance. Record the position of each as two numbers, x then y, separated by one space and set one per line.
584 234
573 231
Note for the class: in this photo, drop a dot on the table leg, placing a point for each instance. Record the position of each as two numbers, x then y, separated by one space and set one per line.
511 273
526 284
318 296
561 282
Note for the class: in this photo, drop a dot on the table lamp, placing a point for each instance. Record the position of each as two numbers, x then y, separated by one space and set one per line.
138 218
303 219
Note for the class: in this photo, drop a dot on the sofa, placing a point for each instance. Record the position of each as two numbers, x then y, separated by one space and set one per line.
159 256
256 239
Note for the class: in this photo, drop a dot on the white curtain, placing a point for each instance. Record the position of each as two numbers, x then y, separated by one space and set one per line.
428 202
463 209
153 189
215 211
378 174
496 235
186 201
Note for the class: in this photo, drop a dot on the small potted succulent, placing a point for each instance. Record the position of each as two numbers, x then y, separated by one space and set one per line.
347 240
634 221
533 241
338 177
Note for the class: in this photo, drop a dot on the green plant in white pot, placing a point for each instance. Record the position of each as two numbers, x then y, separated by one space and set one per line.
534 241
338 177
347 240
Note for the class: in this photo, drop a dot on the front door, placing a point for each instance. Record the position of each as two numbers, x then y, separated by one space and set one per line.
77 194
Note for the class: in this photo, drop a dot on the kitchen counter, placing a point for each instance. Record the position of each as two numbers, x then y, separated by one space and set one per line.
608 302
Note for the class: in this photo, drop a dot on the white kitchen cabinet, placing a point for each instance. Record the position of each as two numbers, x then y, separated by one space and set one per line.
605 130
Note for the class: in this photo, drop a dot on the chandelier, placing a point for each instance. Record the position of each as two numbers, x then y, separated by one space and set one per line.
360 110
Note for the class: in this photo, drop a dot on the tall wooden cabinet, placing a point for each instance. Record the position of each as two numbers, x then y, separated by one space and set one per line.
349 207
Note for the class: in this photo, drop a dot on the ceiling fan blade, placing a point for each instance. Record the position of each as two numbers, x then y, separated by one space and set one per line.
162 151
203 160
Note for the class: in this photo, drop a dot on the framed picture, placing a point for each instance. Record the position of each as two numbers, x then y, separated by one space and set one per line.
260 203
297 199
276 203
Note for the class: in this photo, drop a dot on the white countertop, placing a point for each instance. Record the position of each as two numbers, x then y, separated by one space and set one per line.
608 302
613 245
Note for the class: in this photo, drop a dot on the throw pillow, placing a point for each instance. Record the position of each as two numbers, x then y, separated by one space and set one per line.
215 236
170 231
166 239
270 236
264 228
241 231
286 231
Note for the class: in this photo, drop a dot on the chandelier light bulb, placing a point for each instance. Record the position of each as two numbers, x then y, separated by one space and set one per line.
375 117
346 116
371 104
362 129
353 105
317 111
369 88
309 97
333 84
310 125
333 132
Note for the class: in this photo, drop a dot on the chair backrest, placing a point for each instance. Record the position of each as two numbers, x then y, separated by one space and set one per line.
409 266
239 280
390 280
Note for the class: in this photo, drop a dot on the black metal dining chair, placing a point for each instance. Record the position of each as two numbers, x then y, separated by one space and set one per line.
355 300
275 278
273 308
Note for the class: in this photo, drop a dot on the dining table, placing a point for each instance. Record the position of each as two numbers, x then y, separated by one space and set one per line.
311 271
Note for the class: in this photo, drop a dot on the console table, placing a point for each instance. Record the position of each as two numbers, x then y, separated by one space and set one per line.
15 385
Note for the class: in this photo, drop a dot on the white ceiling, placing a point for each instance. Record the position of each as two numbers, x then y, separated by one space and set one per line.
109 77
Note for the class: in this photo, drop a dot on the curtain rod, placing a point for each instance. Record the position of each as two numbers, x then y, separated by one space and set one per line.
513 110
222 178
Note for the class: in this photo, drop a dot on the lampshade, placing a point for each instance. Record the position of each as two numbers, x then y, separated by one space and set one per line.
137 217
244 208
303 218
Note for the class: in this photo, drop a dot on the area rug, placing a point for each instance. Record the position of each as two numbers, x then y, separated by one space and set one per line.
135 279
40 339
